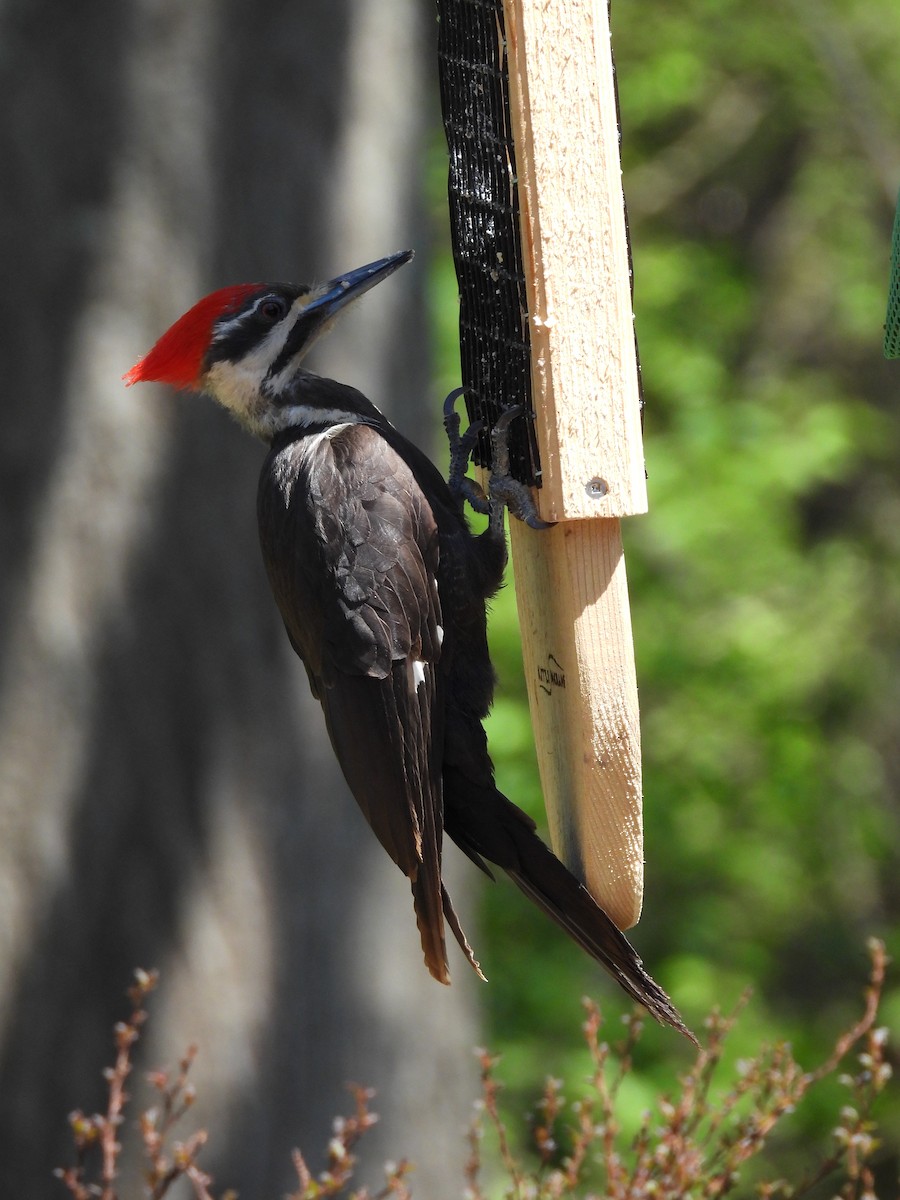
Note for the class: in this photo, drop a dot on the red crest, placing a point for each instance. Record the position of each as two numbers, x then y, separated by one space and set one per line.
177 358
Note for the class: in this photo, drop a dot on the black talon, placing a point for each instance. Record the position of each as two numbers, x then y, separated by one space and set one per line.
461 447
506 492
450 412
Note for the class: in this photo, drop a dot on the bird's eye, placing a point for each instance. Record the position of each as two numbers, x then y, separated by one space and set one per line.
272 310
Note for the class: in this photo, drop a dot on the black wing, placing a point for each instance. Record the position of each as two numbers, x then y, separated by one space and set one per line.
351 547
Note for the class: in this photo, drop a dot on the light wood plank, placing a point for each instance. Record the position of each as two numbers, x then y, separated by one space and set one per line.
572 597
571 587
575 248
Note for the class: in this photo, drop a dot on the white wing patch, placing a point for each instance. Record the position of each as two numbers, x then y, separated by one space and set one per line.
326 434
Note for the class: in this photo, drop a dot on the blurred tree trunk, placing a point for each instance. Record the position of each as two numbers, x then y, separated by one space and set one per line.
167 795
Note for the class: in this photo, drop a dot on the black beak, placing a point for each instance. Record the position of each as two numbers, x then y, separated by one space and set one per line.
339 292
328 300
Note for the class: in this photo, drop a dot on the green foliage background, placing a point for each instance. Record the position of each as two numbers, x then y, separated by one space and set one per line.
761 153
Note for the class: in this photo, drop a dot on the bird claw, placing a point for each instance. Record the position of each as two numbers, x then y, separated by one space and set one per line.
461 447
504 492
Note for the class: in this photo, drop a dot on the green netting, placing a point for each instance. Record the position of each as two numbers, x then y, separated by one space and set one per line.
892 321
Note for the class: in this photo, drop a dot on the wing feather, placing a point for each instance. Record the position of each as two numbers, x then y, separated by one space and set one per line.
351 548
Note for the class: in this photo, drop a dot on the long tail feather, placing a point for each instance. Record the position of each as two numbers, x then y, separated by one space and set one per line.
453 922
546 881
427 902
483 822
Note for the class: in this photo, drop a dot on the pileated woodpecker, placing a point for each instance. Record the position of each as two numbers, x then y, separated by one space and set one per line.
382 590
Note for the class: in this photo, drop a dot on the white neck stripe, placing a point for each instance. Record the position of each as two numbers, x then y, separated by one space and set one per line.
305 416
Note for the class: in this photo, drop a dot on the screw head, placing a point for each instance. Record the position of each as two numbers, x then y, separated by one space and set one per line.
596 488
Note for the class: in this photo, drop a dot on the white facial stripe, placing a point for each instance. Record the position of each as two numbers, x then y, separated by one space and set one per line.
223 330
245 388
237 385
278 382
259 360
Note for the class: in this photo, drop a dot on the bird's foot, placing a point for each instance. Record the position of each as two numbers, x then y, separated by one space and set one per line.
461 447
504 491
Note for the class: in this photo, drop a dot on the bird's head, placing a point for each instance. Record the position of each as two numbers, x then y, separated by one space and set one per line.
244 344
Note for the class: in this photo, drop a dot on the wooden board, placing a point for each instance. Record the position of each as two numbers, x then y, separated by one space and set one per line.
573 600
579 669
575 248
